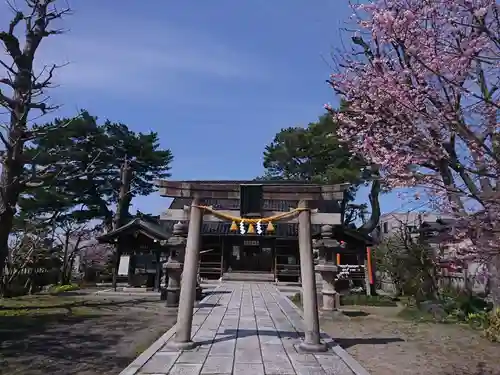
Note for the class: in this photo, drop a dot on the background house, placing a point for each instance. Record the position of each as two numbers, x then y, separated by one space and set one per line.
394 222
456 269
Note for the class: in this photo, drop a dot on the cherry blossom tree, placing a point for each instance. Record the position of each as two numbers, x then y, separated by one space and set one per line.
421 83
92 255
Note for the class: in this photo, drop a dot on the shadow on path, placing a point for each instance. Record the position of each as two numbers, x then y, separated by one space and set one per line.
355 313
207 305
347 343
231 334
217 292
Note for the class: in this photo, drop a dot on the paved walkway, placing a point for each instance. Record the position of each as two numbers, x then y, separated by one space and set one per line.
244 328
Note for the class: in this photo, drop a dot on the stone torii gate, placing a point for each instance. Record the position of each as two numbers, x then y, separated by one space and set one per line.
199 190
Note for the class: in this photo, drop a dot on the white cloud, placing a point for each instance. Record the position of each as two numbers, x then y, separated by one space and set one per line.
114 55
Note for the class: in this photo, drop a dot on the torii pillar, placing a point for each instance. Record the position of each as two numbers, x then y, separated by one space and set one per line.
182 339
231 190
312 341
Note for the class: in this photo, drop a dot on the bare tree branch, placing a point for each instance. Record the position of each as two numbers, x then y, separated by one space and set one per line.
27 95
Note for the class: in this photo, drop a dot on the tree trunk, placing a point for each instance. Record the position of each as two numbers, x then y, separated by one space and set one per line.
122 208
70 270
124 196
494 280
6 219
65 259
32 278
373 197
116 265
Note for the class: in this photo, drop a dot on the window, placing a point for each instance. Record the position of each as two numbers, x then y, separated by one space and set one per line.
386 227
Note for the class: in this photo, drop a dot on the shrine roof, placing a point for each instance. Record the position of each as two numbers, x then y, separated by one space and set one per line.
145 227
281 230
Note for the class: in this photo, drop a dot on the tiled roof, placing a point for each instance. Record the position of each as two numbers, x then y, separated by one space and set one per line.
147 227
281 230
329 206
440 225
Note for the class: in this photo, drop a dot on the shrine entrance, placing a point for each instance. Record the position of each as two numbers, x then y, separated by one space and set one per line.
250 255
250 220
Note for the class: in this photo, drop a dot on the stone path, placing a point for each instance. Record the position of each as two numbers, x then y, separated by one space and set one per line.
244 328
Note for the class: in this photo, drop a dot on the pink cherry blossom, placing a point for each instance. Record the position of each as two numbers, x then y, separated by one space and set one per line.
422 91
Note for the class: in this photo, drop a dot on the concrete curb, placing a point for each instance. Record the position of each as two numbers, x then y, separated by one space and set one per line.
354 365
134 367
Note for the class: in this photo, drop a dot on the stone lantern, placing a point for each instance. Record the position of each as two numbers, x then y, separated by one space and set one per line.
171 285
173 267
327 268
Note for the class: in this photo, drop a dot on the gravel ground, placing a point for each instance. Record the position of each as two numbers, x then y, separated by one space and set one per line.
385 344
102 339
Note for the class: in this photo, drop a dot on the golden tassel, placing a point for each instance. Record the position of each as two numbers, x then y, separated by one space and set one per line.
234 227
270 227
250 229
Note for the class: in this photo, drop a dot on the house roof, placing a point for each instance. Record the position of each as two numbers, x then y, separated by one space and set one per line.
440 225
326 206
142 226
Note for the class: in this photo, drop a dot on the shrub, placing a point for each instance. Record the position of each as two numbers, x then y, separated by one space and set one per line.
467 303
492 332
296 299
15 290
58 289
479 320
409 265
355 299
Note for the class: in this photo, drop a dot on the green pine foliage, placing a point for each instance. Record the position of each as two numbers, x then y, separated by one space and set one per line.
316 154
313 153
80 159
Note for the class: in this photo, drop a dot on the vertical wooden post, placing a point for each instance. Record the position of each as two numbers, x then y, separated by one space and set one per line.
369 263
116 264
368 272
222 242
131 268
158 271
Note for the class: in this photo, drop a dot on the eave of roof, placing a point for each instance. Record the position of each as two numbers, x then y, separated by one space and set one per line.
147 228
281 230
222 228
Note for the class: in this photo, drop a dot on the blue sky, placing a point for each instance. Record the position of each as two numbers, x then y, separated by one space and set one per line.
216 79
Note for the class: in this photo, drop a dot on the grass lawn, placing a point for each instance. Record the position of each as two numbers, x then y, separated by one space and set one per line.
389 339
77 334
47 305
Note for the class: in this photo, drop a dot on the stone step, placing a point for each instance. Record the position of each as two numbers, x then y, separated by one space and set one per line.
248 276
